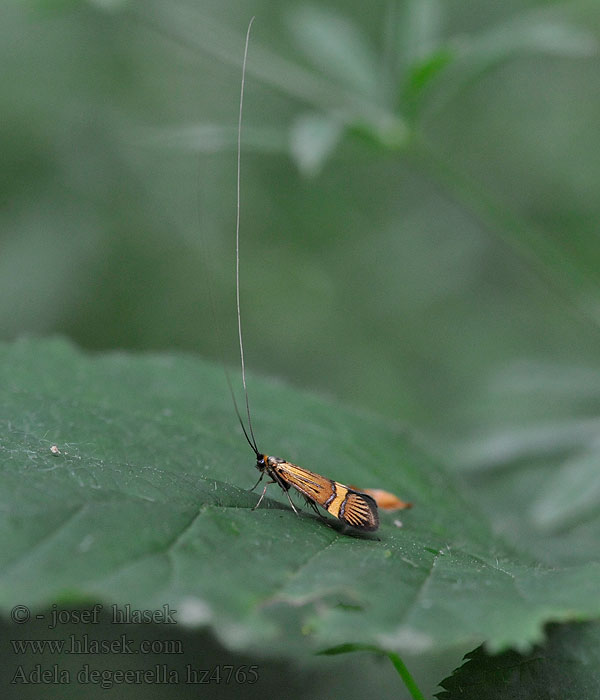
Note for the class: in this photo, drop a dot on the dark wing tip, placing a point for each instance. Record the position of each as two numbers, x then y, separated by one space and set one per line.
360 511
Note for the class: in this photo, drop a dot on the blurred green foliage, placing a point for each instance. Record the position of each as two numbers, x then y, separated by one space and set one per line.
419 214
419 189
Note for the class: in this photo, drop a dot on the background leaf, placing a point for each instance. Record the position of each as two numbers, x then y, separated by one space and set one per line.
313 138
335 45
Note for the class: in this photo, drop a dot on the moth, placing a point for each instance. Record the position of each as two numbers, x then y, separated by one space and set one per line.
352 507
345 503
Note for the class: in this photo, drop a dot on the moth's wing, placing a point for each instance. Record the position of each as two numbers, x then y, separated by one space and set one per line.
351 507
313 486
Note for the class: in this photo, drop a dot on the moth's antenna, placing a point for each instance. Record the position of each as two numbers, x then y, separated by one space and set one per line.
237 246
247 432
237 413
221 346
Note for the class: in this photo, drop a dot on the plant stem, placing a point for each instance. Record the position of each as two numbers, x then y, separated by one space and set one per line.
403 672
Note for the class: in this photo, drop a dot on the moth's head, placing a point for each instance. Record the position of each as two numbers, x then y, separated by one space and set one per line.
261 462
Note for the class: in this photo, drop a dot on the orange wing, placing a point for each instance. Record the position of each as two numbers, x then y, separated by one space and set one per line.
352 507
385 499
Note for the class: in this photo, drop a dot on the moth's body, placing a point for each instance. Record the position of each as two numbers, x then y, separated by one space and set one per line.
346 504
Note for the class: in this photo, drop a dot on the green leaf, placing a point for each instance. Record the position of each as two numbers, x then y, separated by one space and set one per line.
348 88
313 138
213 138
571 494
537 472
145 501
336 46
422 74
566 667
420 31
539 31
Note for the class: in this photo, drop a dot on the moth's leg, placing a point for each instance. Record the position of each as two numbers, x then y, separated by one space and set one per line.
263 493
260 478
313 505
276 478
287 493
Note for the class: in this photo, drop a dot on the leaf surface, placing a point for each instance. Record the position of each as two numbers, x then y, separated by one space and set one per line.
147 503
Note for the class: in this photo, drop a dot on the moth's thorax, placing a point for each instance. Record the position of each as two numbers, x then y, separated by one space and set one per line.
267 461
